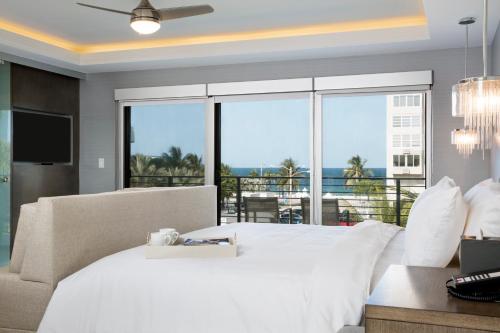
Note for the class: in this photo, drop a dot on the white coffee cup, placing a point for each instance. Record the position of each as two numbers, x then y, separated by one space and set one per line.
170 234
157 238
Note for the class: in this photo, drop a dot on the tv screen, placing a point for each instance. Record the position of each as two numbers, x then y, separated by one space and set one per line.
41 138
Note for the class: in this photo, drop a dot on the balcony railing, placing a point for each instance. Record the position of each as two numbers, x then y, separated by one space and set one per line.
166 181
358 199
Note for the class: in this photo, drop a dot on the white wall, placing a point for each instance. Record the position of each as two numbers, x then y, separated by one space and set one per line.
495 56
98 110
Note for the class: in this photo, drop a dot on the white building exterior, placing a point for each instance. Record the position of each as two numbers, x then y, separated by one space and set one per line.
405 137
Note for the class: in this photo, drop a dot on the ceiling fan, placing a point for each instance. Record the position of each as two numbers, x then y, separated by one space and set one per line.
145 19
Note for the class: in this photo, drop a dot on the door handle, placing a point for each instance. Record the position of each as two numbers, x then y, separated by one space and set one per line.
4 179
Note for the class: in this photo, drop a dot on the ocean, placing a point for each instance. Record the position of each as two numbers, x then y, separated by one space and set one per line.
329 185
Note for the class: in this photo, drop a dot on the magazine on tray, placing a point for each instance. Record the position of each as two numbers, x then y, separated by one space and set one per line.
207 241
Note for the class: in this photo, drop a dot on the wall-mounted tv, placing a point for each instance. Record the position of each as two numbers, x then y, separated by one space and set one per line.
41 137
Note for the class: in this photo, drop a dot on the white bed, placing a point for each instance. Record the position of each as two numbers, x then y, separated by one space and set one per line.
287 278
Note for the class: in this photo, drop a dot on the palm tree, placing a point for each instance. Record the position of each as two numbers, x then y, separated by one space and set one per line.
253 182
194 162
175 161
290 170
228 183
384 209
356 170
142 168
174 158
141 165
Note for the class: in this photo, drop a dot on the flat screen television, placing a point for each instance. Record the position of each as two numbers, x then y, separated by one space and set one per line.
41 137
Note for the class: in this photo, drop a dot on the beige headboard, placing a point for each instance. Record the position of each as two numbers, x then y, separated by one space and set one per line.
74 231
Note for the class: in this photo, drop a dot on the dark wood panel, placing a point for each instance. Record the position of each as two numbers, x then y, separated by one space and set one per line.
40 90
388 326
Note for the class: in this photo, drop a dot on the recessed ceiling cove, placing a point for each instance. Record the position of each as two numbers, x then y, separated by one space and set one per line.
62 33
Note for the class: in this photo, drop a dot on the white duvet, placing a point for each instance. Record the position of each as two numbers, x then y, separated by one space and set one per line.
286 279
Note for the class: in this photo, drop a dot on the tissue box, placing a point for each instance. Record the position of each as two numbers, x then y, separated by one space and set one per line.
479 255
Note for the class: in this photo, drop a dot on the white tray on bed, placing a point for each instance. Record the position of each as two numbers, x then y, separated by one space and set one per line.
198 251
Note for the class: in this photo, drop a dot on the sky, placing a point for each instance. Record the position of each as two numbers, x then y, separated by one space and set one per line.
158 127
354 125
264 133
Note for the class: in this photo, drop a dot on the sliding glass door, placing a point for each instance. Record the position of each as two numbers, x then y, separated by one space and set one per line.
164 143
264 158
326 158
5 163
373 160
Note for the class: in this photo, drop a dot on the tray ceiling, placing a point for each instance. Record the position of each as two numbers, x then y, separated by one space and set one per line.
64 34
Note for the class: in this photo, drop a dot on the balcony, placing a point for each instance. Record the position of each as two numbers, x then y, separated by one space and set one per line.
355 199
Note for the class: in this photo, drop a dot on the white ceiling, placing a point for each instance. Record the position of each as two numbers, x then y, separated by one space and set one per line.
83 26
63 18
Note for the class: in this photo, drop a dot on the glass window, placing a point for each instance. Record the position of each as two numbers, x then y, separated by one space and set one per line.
5 173
396 121
405 121
402 160
406 141
410 101
396 101
415 141
416 100
265 159
402 101
416 160
355 162
415 121
167 143
355 152
5 163
409 160
395 160
396 140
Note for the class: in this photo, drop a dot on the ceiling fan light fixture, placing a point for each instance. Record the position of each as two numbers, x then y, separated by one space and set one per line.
145 19
145 26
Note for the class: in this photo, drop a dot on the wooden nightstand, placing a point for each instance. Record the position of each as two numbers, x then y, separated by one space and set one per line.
414 299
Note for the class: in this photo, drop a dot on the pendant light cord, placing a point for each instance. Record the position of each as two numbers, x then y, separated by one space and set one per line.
466 49
485 38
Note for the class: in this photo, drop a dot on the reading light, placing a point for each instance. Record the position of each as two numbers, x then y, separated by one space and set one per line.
145 25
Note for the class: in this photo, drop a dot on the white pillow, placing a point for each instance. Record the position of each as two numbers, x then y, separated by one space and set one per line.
435 226
489 216
484 209
472 194
445 183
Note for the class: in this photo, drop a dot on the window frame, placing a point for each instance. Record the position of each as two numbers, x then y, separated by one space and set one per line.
385 83
123 156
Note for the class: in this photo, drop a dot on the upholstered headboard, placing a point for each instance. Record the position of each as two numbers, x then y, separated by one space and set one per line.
74 231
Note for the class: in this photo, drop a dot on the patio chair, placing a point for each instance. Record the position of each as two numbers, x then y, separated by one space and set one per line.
330 211
261 210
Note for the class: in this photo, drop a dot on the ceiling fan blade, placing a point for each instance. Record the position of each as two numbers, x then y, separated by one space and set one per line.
105 9
179 12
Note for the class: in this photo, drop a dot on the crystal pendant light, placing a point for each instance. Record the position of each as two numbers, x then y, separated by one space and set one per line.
477 99
456 110
465 140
